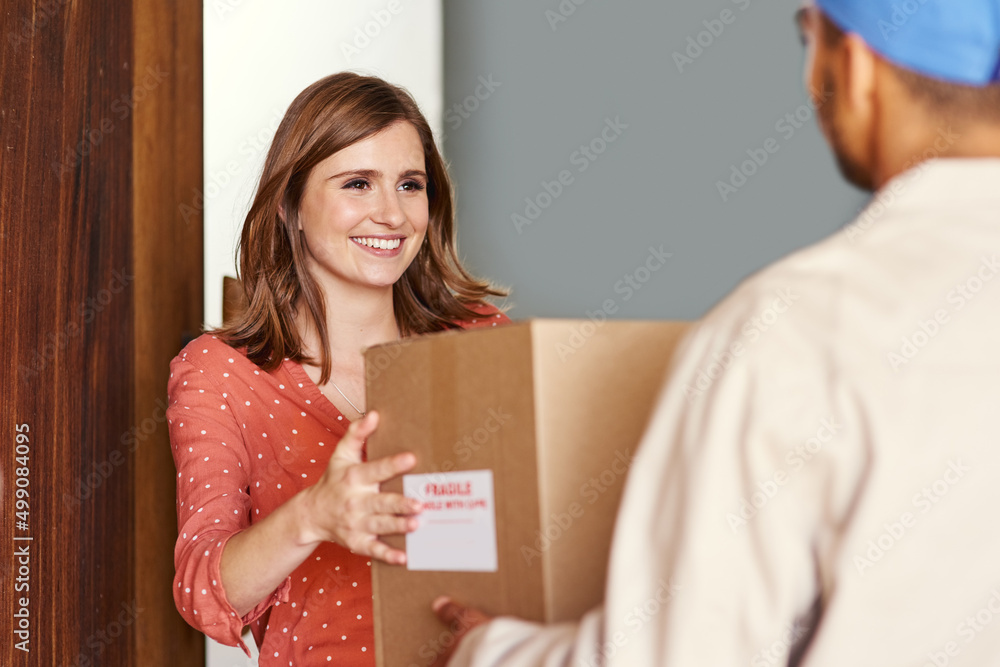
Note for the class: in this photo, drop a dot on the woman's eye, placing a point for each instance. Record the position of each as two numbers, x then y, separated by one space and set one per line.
356 184
412 186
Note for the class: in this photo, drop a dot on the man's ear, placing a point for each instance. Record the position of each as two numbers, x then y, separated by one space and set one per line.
859 75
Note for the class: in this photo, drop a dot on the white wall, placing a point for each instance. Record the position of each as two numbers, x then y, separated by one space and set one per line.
258 55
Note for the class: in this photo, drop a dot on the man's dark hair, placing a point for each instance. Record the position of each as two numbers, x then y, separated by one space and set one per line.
944 98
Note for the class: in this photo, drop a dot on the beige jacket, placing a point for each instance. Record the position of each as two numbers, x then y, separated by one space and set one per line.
821 479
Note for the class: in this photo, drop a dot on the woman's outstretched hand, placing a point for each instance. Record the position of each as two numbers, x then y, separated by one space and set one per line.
346 507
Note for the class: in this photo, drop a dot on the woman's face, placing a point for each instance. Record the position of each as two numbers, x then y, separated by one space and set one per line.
364 210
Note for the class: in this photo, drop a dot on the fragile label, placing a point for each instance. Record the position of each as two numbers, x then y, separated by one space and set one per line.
457 530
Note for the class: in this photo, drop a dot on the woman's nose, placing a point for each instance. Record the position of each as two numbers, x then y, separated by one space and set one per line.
389 211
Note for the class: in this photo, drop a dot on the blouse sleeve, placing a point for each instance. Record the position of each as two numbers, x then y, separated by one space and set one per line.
212 501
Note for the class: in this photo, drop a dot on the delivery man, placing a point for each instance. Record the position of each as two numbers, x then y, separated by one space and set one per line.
820 483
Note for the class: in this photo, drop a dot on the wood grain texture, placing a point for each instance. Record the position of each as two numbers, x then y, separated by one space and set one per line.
66 210
90 319
167 153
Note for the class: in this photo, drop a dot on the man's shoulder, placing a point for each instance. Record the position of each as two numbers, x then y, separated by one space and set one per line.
777 342
806 288
791 320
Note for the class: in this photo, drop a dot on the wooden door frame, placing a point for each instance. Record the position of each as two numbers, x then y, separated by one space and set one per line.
100 280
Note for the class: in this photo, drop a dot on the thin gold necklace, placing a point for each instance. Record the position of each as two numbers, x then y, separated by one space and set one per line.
349 401
341 392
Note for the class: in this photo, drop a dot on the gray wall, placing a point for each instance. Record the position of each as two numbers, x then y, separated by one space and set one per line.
656 184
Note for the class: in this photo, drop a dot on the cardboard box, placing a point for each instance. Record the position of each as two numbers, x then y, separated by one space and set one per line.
555 409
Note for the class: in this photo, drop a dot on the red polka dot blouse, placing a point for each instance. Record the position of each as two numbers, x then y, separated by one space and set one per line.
245 441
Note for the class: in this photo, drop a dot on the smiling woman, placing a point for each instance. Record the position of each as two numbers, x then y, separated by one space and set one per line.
349 129
362 225
349 243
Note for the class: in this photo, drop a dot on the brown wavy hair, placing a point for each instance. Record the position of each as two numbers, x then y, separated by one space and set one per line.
433 293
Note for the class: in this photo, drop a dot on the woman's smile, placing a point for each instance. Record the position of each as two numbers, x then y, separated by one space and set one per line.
380 245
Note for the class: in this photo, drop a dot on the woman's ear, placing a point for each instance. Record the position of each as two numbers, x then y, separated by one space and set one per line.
284 217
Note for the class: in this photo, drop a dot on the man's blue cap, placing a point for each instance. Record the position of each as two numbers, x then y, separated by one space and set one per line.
953 40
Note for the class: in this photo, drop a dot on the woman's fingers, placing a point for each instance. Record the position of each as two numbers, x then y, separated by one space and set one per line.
367 424
350 446
387 554
374 472
384 524
381 470
356 513
393 503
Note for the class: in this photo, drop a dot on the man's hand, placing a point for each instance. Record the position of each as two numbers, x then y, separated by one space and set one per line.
459 620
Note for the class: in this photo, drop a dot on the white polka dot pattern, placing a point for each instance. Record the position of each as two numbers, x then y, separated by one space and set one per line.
237 463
